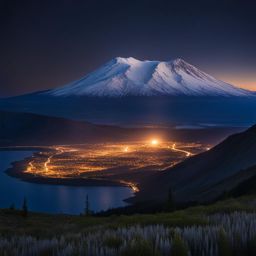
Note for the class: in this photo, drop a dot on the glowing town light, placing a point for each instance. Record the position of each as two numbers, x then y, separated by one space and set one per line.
126 149
154 142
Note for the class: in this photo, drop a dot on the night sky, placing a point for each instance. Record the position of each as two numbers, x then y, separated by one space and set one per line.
45 44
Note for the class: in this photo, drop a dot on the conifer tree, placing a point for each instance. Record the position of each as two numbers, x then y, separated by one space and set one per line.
25 207
87 206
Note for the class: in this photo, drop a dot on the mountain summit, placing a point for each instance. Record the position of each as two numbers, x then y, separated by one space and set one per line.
131 77
100 97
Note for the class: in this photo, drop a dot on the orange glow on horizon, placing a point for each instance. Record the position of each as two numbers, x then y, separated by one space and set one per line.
242 83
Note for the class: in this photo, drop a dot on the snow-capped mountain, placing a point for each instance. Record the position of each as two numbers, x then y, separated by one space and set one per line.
162 93
131 77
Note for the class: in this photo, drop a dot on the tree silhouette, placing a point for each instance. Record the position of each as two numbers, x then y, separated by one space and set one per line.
12 207
87 206
25 207
170 201
179 247
224 245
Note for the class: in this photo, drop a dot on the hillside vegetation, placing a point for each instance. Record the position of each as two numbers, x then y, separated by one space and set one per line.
224 228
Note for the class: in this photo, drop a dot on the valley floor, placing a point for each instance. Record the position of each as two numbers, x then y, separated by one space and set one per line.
101 164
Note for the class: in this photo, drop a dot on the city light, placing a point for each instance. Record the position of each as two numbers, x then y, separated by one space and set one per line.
105 160
154 142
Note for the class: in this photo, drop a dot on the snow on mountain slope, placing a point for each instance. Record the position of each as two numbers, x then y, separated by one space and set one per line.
131 77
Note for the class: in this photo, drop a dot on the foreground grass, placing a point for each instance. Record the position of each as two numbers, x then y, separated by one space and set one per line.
215 229
46 225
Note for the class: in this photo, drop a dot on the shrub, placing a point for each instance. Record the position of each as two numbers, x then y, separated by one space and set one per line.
179 247
223 244
225 233
139 247
252 247
113 242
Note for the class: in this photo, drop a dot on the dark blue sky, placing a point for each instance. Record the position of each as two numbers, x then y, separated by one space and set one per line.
45 44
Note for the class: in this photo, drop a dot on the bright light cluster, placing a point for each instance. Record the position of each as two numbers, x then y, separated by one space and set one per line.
154 142
103 160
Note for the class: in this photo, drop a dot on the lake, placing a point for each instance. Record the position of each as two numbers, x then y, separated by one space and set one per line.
54 198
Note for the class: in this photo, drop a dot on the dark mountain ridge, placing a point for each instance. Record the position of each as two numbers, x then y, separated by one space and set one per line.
18 128
208 175
31 129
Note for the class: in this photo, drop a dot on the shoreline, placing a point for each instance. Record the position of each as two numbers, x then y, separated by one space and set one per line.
15 172
16 168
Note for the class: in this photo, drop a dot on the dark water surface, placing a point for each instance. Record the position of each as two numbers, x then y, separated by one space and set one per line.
53 198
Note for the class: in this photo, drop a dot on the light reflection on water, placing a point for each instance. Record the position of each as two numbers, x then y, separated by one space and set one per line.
53 198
